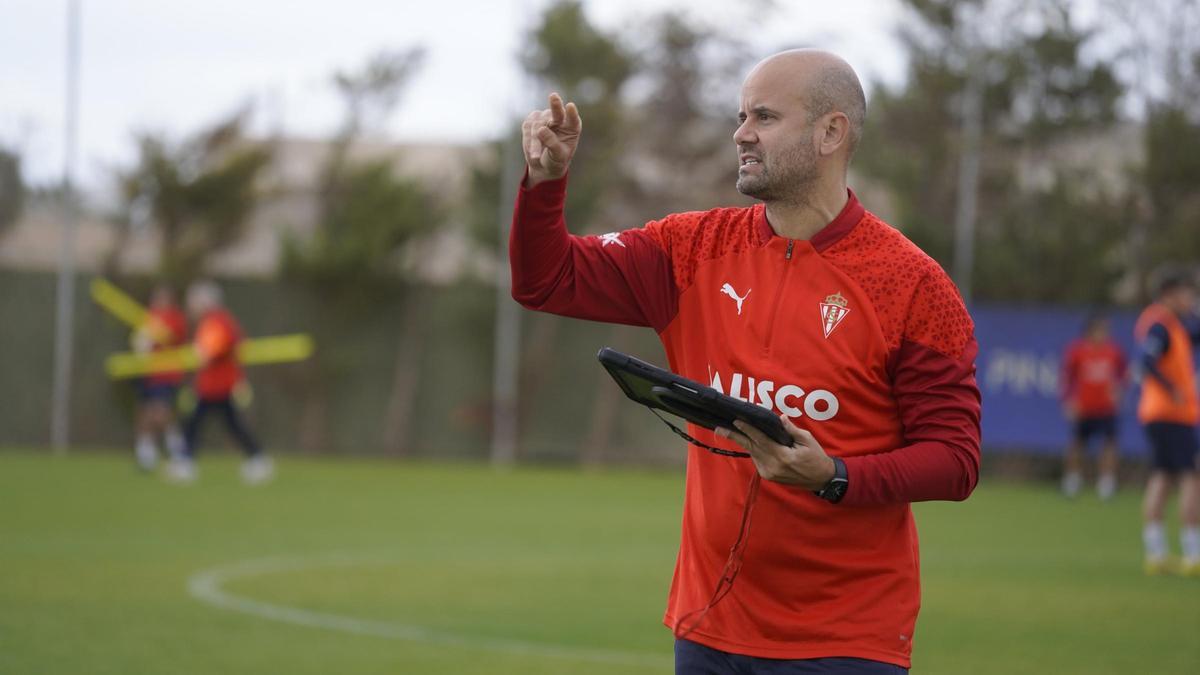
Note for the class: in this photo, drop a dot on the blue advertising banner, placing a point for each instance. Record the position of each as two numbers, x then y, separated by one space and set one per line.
1020 360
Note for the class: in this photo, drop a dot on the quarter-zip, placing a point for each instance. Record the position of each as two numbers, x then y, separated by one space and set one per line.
787 270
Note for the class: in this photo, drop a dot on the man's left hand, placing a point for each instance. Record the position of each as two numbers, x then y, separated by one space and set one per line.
804 463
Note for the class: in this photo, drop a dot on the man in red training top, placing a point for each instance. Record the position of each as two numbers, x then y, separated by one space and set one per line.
1093 375
808 305
165 328
216 341
1169 410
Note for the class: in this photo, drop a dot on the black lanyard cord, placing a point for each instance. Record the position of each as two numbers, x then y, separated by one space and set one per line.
687 437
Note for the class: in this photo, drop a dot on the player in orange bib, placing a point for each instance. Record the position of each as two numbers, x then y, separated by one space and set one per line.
1169 410
810 306
1093 377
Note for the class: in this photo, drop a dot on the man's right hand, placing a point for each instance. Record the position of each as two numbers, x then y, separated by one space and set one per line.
549 138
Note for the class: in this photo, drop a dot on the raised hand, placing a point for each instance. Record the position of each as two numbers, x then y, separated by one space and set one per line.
549 138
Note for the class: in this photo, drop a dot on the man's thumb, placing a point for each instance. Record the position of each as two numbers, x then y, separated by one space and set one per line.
794 431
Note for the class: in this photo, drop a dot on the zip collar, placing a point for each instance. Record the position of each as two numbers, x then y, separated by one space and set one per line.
827 236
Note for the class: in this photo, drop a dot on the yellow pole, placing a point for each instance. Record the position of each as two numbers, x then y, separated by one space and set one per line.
127 310
253 352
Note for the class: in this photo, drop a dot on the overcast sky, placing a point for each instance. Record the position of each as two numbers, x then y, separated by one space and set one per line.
176 65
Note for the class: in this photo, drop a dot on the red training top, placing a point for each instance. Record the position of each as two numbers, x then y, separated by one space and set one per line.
1092 376
217 338
173 320
857 336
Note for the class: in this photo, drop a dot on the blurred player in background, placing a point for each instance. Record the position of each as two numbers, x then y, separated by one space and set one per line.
1169 409
165 328
220 375
1093 375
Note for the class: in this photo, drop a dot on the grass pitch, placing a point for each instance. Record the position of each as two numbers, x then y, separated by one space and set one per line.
381 567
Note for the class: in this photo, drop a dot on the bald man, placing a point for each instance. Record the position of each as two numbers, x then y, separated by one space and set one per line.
802 558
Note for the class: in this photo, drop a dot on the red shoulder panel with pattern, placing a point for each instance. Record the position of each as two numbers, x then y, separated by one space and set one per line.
913 297
698 236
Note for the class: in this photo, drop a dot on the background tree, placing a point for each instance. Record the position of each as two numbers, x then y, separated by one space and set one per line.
1169 177
569 54
1157 52
368 216
1038 95
366 213
679 155
198 194
12 188
680 131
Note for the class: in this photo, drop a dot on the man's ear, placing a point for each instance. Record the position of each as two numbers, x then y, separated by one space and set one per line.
834 133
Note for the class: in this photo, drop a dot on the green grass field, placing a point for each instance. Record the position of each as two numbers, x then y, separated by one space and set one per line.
382 567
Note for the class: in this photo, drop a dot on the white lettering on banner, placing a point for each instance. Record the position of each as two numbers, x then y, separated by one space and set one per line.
1024 373
791 400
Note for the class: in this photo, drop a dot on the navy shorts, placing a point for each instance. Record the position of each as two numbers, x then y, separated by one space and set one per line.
1104 427
156 392
692 658
1173 447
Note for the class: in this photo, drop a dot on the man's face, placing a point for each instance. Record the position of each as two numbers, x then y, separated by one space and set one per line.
199 301
777 153
1186 300
1098 331
162 297
194 303
1181 300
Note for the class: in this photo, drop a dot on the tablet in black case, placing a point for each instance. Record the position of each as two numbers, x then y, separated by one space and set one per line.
663 390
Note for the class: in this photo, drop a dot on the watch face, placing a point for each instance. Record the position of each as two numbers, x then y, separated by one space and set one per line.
835 490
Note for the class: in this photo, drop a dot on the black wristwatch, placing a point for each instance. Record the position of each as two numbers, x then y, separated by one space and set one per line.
835 489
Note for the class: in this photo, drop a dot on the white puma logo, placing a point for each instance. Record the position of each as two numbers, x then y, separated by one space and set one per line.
611 238
728 290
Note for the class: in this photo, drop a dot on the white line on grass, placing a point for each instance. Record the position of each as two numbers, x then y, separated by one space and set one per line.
206 586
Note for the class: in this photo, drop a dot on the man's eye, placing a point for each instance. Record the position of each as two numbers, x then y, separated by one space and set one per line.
763 117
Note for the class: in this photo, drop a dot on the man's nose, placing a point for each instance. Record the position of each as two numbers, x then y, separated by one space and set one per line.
744 135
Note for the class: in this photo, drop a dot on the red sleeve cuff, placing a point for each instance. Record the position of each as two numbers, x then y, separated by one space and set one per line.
939 405
549 192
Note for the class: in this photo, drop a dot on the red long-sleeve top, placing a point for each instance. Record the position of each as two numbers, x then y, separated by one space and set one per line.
171 332
857 336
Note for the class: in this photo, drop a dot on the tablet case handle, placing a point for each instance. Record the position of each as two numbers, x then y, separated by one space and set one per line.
669 398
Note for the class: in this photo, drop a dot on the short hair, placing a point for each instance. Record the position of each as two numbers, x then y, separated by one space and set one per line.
1093 319
163 290
837 89
206 292
1171 279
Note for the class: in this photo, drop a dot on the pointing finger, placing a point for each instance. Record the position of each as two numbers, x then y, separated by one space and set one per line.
557 112
573 121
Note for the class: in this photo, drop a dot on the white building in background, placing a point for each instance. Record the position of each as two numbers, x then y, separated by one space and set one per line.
287 206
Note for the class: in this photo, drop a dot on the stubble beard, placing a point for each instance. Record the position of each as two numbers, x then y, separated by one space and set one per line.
793 179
